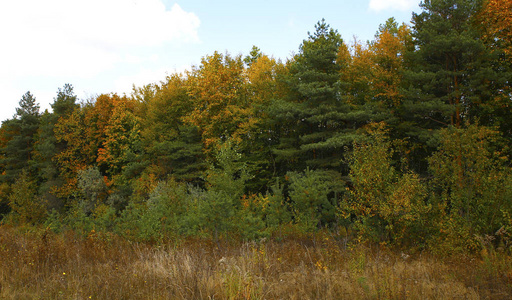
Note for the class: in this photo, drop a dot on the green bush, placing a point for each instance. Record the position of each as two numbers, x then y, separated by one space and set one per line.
313 197
164 209
93 187
26 206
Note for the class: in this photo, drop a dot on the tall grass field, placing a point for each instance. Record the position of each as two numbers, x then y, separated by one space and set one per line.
40 264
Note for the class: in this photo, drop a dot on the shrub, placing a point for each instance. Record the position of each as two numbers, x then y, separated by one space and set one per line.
383 204
26 206
471 186
313 196
93 187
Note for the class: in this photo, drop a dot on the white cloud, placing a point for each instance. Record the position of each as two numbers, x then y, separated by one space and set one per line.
11 95
10 98
69 37
124 84
45 44
401 5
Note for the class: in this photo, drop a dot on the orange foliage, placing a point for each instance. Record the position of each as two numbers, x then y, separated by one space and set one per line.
496 22
76 156
85 132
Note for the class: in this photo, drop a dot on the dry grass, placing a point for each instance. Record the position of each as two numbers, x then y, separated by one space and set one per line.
42 265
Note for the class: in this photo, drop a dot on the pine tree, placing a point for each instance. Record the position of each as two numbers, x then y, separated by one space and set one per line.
46 146
172 147
316 121
65 102
17 145
19 133
450 74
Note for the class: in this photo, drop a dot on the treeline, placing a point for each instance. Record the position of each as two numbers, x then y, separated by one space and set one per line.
402 140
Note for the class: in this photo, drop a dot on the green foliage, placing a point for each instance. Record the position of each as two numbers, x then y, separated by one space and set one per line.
46 146
250 217
174 209
105 218
27 107
225 179
93 188
26 206
313 197
228 173
182 156
449 55
451 77
253 56
277 213
216 210
314 72
170 145
316 120
127 222
45 149
314 115
78 218
54 222
65 102
163 212
19 134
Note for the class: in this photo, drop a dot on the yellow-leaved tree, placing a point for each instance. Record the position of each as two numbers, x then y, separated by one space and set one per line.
382 204
217 91
472 186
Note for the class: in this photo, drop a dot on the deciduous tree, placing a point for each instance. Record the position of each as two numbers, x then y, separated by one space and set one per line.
382 203
218 95
472 185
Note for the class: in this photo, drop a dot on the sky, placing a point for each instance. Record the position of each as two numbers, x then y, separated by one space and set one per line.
107 46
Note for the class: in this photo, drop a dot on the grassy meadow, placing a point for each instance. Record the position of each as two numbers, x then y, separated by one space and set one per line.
39 264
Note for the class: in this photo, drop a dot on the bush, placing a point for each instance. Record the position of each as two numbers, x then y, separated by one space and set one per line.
26 206
93 187
164 209
384 205
313 197
471 186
